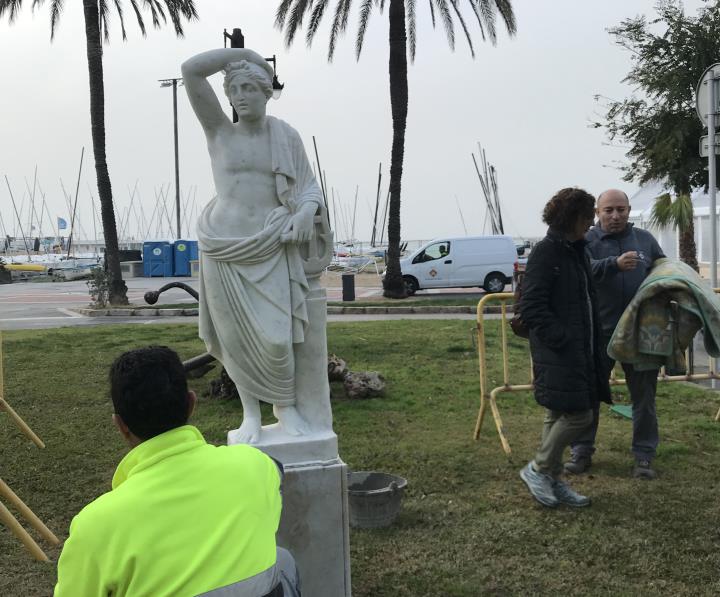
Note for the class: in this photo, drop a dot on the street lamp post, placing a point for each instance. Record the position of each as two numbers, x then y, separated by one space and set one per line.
167 83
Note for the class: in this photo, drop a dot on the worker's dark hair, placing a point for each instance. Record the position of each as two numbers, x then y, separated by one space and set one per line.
149 390
566 207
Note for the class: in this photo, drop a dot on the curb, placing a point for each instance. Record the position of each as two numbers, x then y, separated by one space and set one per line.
416 310
136 312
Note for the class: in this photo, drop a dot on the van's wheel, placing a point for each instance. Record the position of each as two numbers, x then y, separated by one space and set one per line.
411 285
494 283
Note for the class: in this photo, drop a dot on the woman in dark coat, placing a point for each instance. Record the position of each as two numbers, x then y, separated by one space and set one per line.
558 306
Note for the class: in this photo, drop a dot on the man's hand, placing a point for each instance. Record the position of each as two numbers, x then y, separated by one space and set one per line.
628 261
300 227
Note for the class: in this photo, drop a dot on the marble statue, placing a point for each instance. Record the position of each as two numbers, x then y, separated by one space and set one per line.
263 240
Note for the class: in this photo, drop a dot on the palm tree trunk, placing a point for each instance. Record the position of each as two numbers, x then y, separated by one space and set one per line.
688 249
393 285
118 289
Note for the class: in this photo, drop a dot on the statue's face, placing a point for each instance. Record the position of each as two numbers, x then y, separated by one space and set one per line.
247 98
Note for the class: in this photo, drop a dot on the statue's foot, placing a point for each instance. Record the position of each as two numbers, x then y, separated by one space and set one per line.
248 432
290 420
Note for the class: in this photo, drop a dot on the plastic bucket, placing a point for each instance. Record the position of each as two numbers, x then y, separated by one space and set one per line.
375 498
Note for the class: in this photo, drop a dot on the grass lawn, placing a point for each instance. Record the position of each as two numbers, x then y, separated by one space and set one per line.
468 526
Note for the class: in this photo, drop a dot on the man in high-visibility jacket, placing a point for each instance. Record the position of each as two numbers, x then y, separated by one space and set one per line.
184 517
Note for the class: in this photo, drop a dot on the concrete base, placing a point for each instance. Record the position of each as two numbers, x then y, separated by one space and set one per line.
315 526
315 518
285 448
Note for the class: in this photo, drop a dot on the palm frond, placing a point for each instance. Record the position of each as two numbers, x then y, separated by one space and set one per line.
159 7
177 9
339 25
508 16
411 27
121 17
487 17
666 212
56 8
476 12
139 17
446 18
294 22
381 5
454 4
315 19
104 16
173 11
281 13
432 12
189 11
11 7
153 12
365 10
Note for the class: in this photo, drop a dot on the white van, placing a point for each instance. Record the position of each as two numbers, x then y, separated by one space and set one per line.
484 261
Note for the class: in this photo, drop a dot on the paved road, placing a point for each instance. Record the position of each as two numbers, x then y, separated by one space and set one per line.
38 305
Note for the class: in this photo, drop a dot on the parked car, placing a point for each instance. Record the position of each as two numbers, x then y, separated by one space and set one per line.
484 261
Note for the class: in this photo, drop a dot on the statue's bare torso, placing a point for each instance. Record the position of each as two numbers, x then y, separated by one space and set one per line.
242 170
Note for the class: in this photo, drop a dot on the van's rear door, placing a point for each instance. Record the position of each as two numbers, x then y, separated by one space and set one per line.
475 258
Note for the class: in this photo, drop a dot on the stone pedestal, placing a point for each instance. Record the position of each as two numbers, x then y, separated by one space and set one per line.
315 517
315 526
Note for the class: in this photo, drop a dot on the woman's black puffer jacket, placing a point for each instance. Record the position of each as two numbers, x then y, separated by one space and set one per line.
565 341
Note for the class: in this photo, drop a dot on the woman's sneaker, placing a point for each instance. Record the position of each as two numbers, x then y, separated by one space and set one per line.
540 486
568 496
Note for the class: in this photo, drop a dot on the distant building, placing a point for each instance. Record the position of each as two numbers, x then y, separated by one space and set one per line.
642 202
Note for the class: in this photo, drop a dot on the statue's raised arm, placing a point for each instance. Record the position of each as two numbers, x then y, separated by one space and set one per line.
202 98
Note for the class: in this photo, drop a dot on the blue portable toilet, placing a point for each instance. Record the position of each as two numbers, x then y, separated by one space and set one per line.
182 254
157 259
194 250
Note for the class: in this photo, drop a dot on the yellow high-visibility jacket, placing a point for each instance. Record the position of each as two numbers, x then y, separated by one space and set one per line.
183 517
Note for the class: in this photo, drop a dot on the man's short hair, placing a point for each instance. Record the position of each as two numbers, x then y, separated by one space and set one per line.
149 390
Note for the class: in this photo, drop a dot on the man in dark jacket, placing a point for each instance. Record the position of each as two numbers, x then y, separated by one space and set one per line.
621 257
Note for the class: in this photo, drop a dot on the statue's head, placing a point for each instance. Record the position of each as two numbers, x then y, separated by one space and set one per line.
248 86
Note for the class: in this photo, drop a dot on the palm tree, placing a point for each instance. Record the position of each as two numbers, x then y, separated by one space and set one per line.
679 213
97 17
401 14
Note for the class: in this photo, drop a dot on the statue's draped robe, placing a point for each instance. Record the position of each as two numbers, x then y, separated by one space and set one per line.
253 290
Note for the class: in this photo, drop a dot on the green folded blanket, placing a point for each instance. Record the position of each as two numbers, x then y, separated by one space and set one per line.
668 309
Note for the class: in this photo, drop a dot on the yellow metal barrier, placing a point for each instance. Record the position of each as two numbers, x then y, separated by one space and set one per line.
490 397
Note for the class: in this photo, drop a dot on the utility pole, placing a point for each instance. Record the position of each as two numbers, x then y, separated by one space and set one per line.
174 83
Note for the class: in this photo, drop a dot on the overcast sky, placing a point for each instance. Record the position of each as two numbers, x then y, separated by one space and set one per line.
528 101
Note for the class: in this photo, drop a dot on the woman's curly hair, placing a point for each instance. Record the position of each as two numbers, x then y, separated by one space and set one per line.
566 207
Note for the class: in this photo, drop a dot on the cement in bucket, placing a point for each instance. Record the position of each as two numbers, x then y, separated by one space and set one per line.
374 498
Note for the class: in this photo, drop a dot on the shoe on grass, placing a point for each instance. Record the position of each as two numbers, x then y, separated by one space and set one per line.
578 464
643 470
540 486
568 496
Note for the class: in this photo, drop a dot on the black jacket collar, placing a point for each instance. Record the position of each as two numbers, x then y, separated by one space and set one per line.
559 237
